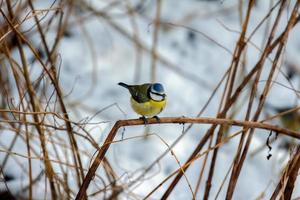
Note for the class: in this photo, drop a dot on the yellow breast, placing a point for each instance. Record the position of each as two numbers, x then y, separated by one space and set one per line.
150 108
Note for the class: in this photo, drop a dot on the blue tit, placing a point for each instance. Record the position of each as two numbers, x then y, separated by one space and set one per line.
148 99
290 120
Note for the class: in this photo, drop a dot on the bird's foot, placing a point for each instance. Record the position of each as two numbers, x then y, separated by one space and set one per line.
157 118
144 119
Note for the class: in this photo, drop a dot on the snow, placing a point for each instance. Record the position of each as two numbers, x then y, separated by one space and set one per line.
91 83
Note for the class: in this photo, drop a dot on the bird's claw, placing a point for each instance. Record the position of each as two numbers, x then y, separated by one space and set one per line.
157 118
144 119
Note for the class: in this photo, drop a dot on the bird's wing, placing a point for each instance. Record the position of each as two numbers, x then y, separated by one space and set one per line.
140 92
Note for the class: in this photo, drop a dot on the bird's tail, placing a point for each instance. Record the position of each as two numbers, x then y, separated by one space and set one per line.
123 85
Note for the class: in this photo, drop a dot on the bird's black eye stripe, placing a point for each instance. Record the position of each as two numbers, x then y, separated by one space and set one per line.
158 94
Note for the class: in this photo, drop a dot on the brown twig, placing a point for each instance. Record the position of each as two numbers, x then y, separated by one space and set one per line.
287 181
240 159
173 120
155 40
240 47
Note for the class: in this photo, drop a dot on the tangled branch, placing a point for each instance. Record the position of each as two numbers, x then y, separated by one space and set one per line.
171 120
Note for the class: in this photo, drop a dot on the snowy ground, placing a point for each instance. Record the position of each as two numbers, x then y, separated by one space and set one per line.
199 58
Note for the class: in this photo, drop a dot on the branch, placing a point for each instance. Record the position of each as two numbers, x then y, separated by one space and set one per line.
171 120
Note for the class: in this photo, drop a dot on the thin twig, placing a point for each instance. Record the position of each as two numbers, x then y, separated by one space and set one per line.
173 120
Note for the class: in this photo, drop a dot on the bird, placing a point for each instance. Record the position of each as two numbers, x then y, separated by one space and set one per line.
147 100
289 116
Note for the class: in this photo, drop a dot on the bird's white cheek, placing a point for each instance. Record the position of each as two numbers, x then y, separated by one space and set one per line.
156 97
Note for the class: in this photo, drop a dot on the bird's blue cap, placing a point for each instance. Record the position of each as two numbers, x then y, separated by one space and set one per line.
157 88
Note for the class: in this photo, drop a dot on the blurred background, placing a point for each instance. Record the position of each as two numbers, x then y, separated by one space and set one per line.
60 65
